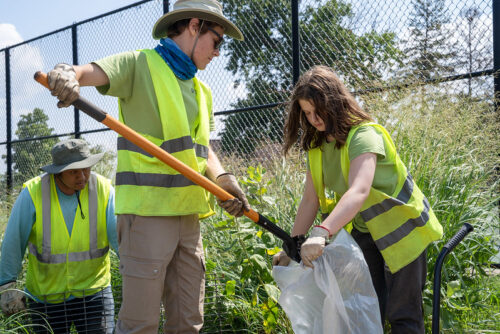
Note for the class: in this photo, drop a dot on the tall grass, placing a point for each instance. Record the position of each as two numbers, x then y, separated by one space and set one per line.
6 203
451 146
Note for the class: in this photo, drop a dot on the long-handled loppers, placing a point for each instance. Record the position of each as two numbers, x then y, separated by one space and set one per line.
290 245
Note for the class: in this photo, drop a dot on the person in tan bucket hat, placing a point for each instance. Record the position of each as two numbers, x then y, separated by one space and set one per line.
161 250
65 219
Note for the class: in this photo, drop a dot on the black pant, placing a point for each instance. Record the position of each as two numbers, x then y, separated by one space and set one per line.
91 314
399 294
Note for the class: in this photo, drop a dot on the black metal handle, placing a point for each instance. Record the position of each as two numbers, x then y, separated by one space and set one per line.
90 109
457 238
291 246
454 241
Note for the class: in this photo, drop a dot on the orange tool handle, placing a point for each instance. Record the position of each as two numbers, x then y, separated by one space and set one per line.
148 146
290 245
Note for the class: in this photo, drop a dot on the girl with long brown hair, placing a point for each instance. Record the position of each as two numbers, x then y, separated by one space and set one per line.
355 158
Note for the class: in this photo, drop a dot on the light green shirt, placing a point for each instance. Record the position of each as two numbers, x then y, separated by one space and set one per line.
366 140
130 80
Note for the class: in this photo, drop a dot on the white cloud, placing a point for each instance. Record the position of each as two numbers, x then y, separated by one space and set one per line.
25 60
237 91
8 35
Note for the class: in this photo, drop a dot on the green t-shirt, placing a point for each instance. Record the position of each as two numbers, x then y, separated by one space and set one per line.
366 140
130 80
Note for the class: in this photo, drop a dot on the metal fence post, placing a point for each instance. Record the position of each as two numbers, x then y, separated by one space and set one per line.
496 52
8 103
295 41
496 66
74 39
165 6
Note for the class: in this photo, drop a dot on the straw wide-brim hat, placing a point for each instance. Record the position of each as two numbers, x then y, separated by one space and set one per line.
208 10
71 154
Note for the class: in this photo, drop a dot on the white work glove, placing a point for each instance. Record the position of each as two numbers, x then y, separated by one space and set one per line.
312 248
63 84
235 206
11 299
281 259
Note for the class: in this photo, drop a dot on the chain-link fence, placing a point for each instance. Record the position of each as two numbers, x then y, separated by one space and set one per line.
402 52
377 47
96 310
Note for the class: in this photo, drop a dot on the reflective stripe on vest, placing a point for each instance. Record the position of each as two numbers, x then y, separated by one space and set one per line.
402 225
379 208
141 179
46 256
170 146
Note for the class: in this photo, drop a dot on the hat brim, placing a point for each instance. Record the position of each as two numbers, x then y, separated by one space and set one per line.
85 163
161 26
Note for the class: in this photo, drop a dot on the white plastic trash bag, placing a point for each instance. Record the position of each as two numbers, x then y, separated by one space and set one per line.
337 296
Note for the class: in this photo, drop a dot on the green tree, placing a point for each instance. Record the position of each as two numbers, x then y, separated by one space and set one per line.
29 156
105 166
475 54
429 54
263 60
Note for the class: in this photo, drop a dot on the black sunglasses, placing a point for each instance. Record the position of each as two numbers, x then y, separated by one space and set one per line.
217 43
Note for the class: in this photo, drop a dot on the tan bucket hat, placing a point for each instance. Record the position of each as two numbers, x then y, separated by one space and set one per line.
208 10
71 154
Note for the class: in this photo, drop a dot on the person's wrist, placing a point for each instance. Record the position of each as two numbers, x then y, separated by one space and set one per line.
222 174
321 231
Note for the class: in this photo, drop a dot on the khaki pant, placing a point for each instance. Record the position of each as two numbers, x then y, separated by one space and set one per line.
161 261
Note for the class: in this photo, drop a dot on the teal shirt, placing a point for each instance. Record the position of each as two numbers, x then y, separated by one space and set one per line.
22 219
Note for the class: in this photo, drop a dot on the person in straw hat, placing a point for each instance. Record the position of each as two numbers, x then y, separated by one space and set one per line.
66 220
161 250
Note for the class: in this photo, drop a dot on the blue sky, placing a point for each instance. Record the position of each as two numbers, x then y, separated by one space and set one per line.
22 20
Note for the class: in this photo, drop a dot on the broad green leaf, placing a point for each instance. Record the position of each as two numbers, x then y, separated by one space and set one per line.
230 288
258 261
453 289
272 291
273 251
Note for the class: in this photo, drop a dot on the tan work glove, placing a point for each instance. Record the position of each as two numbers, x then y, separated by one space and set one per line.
235 206
281 259
312 248
63 84
11 299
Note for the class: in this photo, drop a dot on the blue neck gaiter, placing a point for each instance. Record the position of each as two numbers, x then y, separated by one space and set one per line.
178 61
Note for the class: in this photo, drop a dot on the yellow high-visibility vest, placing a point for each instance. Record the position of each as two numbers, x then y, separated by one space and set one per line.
59 264
146 186
402 224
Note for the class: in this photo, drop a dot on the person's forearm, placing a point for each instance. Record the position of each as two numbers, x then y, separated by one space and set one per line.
111 222
214 167
308 208
361 174
345 210
90 75
15 239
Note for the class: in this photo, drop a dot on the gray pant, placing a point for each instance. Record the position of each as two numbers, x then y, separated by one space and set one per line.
92 314
399 294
